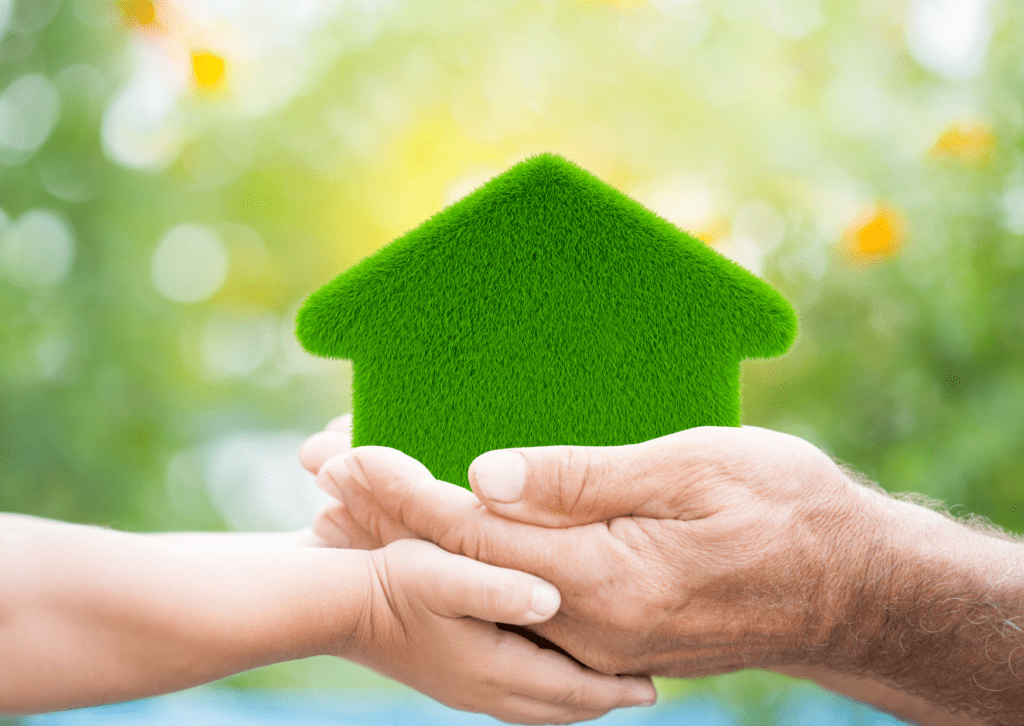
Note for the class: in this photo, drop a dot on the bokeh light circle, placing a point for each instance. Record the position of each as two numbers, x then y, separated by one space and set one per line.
189 264
37 250
28 112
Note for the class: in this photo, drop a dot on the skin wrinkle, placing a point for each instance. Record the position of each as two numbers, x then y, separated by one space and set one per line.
906 615
405 506
367 613
572 463
558 478
380 568
375 524
466 540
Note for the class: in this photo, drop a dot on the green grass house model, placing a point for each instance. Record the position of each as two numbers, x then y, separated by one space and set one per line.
544 308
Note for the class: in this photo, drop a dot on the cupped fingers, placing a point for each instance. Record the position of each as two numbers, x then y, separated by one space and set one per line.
340 423
334 478
320 447
554 679
361 506
518 708
335 526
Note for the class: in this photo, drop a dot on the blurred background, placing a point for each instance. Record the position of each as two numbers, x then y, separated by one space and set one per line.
176 176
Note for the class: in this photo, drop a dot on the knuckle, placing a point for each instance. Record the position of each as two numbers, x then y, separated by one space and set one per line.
574 695
332 481
406 508
485 547
500 594
574 478
465 544
376 524
406 546
464 539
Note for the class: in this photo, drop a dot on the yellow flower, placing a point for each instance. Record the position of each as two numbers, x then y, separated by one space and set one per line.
140 12
877 233
712 231
966 143
207 68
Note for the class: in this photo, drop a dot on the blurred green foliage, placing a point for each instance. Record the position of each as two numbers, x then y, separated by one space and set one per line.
898 185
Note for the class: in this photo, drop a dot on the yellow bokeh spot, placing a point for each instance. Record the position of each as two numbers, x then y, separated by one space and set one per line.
712 232
617 3
876 233
966 143
207 68
142 12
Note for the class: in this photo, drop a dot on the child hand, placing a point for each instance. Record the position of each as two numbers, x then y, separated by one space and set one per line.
430 623
333 524
504 660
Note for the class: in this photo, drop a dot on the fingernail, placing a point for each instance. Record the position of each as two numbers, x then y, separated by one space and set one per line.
645 695
501 475
356 470
545 600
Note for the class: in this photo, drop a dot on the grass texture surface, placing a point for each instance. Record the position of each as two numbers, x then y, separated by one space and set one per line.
544 308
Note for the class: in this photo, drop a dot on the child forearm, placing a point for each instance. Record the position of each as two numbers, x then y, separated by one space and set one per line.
234 541
239 541
93 616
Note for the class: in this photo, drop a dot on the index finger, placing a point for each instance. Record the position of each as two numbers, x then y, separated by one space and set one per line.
342 423
454 518
320 447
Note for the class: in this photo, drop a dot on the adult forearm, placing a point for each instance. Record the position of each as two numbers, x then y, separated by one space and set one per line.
939 617
876 693
95 616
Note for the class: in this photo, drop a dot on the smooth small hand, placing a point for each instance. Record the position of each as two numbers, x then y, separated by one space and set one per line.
334 524
430 625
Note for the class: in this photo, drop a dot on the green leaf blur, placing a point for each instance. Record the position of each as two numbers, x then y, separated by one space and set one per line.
174 183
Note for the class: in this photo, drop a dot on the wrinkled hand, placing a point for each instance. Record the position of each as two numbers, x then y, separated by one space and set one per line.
698 553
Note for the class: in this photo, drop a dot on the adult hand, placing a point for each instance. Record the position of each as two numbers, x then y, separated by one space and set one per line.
698 553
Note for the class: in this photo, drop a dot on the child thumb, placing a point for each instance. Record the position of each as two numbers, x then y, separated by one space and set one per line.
464 586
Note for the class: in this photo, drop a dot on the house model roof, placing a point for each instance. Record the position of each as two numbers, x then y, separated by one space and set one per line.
544 308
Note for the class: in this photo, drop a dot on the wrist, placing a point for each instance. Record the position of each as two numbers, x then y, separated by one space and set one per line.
300 604
929 616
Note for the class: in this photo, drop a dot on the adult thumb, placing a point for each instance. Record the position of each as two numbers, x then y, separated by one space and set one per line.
565 486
